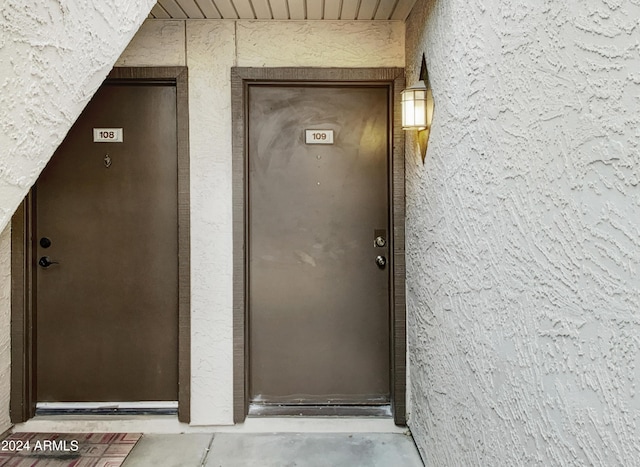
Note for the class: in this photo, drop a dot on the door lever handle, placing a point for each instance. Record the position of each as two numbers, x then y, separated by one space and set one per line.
45 262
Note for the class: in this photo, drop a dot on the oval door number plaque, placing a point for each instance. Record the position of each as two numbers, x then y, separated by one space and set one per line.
318 136
107 135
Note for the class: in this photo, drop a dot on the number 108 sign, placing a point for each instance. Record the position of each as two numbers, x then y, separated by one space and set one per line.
318 136
107 135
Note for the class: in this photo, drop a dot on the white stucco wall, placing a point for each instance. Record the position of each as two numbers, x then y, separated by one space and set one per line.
53 56
212 48
523 231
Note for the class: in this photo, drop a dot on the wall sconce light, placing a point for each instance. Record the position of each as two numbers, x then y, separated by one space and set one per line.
417 108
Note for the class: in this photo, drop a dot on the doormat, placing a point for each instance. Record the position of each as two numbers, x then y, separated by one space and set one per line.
66 449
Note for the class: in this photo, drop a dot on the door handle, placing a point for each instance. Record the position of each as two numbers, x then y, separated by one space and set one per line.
381 261
45 262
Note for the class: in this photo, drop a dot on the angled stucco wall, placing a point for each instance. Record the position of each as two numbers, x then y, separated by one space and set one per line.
524 234
211 49
53 56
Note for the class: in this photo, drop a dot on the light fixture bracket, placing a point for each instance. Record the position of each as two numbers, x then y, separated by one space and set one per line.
424 74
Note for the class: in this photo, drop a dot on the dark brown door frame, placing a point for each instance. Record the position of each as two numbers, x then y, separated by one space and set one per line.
23 403
240 79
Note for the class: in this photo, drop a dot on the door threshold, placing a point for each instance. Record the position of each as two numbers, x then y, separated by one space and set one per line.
276 410
170 424
107 408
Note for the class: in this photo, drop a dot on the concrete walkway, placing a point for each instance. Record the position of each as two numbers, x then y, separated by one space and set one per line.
278 449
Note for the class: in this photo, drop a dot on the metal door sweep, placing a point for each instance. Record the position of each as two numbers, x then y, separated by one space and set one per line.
275 410
108 408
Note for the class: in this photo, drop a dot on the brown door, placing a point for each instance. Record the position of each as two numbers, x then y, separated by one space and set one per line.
106 220
318 300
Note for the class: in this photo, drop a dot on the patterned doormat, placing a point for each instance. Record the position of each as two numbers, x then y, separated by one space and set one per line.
66 449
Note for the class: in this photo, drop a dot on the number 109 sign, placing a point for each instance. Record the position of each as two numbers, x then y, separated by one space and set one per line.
318 136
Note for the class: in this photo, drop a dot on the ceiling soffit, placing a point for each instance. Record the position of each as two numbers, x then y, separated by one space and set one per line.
346 10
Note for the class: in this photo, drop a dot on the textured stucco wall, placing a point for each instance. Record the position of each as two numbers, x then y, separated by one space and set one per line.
53 56
212 48
5 329
321 44
523 234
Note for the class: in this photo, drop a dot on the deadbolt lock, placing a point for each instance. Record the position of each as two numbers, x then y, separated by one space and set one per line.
380 242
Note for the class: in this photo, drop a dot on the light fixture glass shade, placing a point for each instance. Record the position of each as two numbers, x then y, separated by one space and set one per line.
414 107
